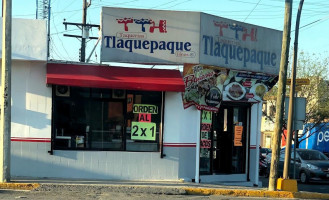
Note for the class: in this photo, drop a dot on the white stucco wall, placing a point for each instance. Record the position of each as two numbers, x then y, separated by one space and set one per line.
255 124
31 100
180 134
180 125
29 39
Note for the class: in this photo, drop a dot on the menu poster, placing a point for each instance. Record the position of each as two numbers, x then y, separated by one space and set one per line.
238 135
247 86
203 86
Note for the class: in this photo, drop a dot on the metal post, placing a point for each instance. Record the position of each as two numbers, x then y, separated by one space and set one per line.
48 41
259 119
197 151
5 116
291 99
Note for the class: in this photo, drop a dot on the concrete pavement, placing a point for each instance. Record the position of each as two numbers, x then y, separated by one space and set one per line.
157 187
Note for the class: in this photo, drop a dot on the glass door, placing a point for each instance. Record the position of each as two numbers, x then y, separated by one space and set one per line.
107 125
229 139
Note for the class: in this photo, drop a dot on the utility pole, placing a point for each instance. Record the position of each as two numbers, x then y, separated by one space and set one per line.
5 116
43 12
84 30
276 137
291 99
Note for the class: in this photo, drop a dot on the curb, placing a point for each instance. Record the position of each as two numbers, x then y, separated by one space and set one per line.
175 190
255 193
19 186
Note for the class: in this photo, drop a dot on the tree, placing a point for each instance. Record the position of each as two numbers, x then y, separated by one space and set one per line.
315 68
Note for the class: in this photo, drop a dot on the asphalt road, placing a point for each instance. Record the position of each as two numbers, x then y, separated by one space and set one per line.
72 192
320 187
105 195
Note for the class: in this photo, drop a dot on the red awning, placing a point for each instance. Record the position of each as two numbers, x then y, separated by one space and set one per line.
101 76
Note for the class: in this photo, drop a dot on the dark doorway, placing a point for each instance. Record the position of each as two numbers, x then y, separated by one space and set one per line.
229 139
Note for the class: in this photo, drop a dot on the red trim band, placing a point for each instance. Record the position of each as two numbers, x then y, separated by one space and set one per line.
28 139
179 144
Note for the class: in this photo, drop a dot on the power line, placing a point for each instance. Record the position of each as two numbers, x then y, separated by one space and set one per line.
177 4
61 41
252 11
163 4
316 21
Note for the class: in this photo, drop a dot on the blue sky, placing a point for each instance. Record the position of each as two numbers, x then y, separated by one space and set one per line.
313 36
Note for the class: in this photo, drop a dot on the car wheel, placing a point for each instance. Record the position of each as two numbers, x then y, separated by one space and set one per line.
304 178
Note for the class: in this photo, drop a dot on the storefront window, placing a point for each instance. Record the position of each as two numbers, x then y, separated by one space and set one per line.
105 119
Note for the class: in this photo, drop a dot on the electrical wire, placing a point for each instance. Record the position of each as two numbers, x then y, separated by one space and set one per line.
252 11
61 42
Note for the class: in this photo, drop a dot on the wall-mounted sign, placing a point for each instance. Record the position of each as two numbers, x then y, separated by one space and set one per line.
145 108
143 131
149 36
237 45
177 37
203 86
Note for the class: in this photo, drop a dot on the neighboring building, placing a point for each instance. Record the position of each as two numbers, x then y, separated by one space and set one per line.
77 120
267 127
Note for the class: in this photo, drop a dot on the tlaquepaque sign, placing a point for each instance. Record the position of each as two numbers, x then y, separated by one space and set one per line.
149 36
240 46
178 37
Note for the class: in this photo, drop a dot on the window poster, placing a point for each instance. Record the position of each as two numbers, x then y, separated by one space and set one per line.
206 123
205 141
144 129
238 135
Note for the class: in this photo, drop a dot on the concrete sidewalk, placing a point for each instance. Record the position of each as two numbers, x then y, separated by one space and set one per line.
156 187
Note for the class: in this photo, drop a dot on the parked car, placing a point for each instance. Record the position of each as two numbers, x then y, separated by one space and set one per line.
326 154
311 165
263 163
265 151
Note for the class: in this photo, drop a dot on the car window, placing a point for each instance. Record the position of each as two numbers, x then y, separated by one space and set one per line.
283 153
312 155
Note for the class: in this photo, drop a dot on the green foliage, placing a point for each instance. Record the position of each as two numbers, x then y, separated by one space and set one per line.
316 69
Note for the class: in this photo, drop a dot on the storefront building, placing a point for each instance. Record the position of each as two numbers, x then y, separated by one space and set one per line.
87 121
